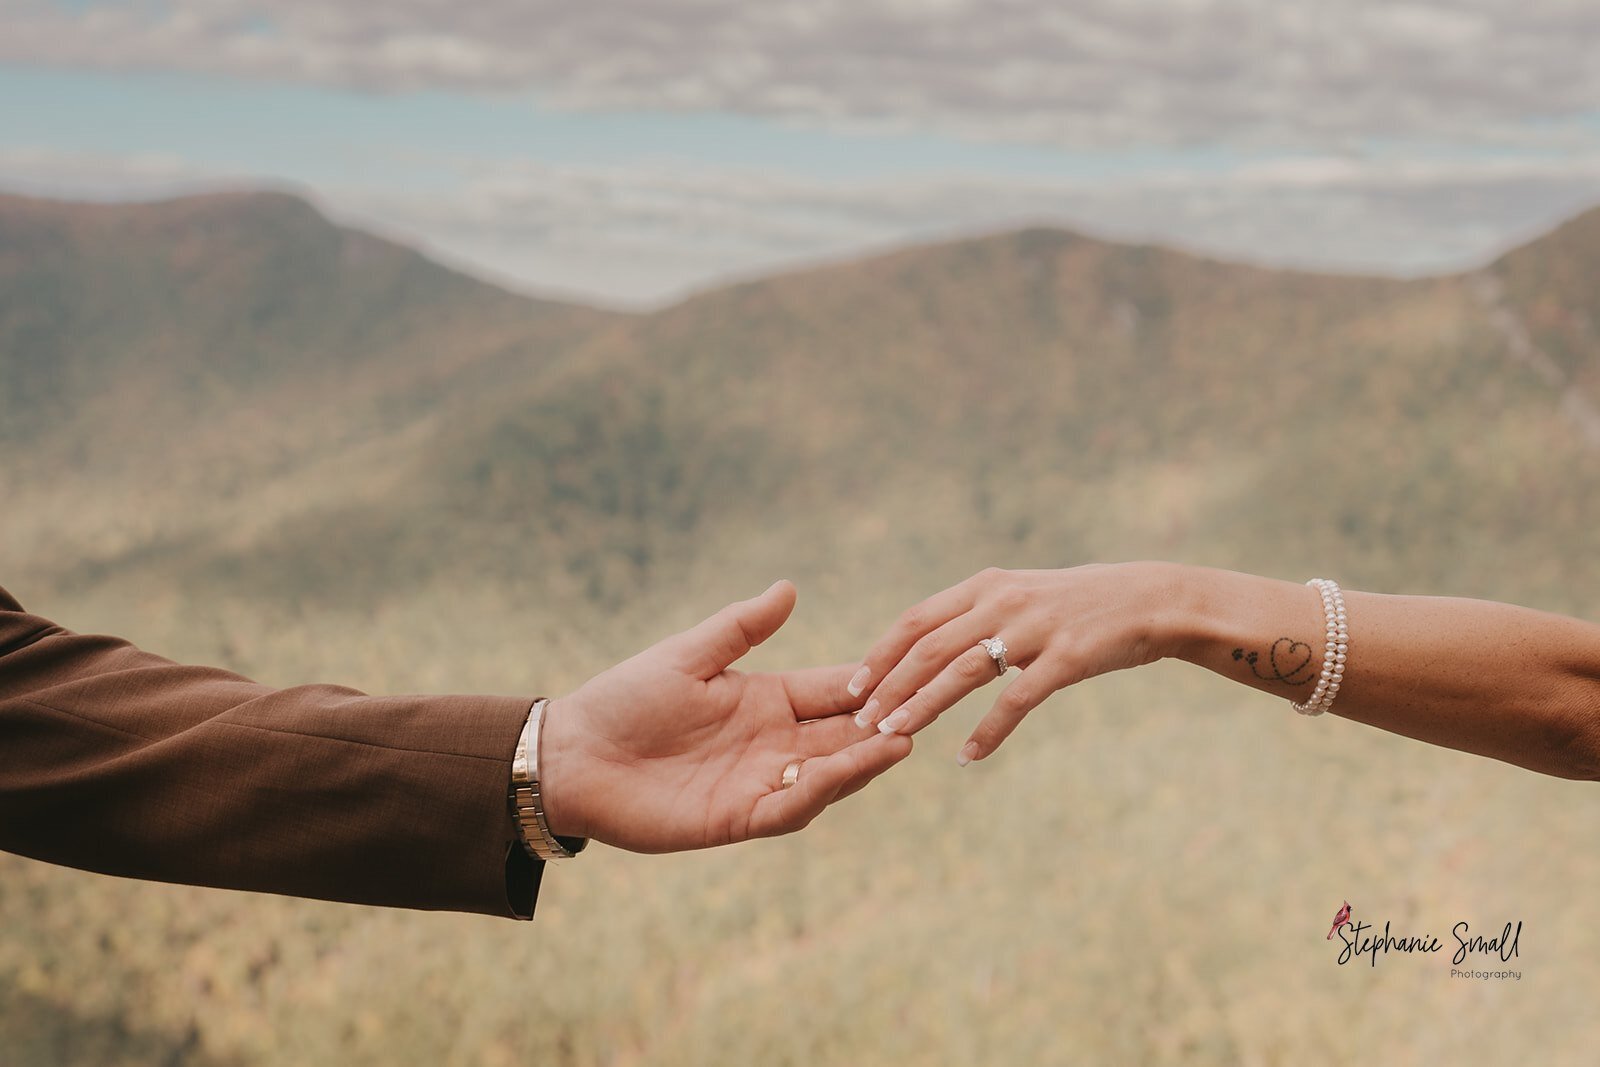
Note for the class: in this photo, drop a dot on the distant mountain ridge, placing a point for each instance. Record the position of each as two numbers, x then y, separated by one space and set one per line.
378 413
172 306
1553 285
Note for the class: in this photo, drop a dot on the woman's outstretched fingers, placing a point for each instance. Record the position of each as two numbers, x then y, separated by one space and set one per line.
920 665
1026 692
968 672
916 622
822 780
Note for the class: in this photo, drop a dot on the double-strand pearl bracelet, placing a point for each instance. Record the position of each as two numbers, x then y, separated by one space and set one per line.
1334 649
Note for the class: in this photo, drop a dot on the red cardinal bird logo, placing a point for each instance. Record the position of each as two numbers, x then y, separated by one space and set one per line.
1339 920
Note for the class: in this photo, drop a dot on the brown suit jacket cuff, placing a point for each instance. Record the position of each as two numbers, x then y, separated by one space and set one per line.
116 760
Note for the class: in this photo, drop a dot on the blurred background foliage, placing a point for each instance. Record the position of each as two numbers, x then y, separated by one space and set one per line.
238 434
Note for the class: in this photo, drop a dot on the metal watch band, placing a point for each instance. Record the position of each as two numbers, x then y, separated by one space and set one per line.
527 803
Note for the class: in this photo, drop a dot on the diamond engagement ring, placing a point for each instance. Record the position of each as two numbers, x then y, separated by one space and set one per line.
997 652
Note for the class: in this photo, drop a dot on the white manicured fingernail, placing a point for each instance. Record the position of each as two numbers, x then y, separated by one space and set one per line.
968 753
865 716
893 723
858 682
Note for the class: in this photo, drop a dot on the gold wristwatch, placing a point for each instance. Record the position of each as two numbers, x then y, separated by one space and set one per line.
527 803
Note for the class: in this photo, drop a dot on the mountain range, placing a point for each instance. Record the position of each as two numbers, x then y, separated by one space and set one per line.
252 351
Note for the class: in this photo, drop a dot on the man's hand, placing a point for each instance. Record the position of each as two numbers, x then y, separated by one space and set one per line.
674 750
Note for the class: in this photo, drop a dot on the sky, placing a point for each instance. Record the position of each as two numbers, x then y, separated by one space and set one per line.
629 152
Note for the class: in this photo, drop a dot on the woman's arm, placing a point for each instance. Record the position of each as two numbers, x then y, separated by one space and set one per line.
1492 679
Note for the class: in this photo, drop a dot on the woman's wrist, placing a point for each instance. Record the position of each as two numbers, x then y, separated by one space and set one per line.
1182 611
1213 610
1263 632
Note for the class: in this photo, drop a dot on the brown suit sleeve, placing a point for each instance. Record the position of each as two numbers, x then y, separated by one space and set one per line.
119 761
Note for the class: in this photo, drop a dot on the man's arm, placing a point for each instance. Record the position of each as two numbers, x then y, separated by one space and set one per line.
118 761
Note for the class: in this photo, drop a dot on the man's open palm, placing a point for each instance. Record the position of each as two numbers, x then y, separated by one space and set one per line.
673 749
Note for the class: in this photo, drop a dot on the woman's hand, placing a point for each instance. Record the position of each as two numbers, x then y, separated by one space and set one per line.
674 749
1060 627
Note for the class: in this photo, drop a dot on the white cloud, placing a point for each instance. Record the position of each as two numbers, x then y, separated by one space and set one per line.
1300 73
51 172
1362 134
641 234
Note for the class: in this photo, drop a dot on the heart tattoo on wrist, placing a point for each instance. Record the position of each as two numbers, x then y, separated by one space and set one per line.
1287 661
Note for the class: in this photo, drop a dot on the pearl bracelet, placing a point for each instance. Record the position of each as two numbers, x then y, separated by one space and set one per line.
1335 648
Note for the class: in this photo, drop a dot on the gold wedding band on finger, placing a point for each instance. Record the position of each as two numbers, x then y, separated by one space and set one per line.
997 652
791 774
